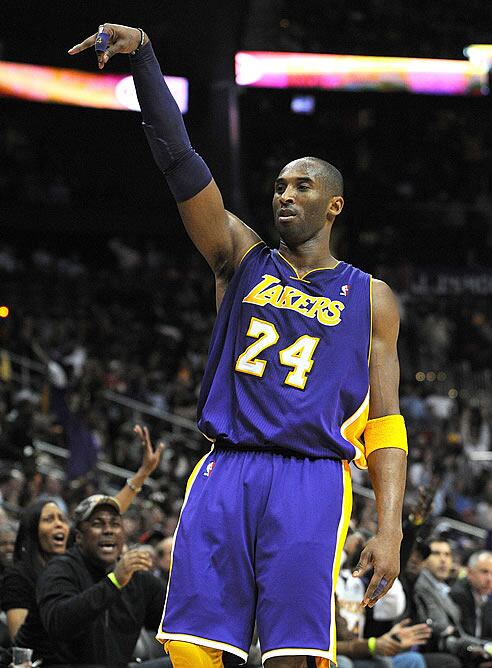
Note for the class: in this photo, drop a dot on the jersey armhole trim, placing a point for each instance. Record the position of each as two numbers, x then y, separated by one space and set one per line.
250 249
370 320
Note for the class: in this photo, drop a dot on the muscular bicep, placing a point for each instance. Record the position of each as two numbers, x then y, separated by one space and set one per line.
384 368
221 237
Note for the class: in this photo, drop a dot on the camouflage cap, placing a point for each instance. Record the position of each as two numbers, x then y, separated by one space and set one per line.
86 507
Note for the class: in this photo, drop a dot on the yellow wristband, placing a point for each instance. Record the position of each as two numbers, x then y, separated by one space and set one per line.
113 579
371 646
385 432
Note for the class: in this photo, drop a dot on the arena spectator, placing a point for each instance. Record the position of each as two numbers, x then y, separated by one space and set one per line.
7 542
163 552
472 594
94 600
392 649
434 603
44 533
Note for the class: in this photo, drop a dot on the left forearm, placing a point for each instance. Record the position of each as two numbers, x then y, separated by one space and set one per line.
387 470
150 461
126 494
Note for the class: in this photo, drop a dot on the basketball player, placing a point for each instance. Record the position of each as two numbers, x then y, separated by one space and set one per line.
299 339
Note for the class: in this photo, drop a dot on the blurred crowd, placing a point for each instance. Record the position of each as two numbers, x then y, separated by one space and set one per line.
367 27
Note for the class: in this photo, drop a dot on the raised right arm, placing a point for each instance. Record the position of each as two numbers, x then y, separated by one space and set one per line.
221 237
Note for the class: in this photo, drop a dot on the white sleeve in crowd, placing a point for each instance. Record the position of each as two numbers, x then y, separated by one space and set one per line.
57 375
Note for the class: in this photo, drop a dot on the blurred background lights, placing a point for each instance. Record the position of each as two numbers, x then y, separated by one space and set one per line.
479 54
303 104
4 311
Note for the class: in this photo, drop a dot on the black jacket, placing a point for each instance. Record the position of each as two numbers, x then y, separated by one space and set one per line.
88 619
462 595
18 590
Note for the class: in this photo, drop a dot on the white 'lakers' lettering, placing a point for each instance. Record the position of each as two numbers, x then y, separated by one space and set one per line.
327 311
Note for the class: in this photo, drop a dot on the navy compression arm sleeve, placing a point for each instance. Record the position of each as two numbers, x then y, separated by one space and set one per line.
185 171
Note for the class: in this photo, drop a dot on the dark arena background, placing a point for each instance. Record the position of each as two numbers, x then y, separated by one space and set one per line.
107 309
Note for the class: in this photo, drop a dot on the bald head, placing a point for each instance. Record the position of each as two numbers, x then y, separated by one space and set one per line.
328 173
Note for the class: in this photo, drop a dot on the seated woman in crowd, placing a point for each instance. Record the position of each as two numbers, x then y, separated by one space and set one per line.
43 533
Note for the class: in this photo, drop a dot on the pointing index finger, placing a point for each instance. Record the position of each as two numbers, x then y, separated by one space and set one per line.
87 43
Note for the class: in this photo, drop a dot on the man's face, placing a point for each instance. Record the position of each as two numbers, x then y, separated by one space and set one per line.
414 565
301 204
480 575
440 560
7 542
101 537
164 550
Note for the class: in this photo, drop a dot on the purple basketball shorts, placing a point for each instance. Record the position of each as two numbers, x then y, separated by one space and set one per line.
260 537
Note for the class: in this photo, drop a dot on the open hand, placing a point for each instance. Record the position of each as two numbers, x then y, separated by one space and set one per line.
122 39
387 646
151 457
417 634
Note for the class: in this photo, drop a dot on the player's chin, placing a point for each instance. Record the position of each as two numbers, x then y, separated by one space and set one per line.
291 233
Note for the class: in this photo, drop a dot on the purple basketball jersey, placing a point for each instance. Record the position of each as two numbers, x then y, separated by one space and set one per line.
288 364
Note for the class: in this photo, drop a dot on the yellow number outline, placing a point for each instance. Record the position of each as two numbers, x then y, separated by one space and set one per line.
298 355
298 376
266 334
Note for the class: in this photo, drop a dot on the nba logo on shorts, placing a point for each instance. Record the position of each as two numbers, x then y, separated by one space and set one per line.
344 290
209 469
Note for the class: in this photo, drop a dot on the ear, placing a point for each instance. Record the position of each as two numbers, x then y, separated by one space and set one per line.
78 537
335 205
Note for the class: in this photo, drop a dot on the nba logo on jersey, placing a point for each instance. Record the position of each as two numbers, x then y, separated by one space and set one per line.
344 290
209 469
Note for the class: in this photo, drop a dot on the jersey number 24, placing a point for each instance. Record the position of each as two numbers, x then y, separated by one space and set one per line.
299 355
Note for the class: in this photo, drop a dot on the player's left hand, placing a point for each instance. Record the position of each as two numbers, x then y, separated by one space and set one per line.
150 457
382 554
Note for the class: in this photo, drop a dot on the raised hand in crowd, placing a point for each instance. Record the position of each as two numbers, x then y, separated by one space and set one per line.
150 461
150 457
423 506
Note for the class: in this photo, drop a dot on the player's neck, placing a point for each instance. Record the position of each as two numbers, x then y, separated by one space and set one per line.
308 256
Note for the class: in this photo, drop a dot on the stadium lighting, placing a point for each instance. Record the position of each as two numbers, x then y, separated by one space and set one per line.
479 54
82 89
268 69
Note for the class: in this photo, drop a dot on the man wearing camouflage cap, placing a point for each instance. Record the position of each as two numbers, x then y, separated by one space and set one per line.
93 600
